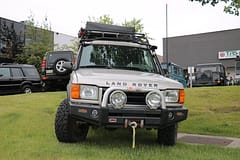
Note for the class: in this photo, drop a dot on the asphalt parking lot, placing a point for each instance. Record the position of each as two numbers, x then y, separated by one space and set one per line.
211 140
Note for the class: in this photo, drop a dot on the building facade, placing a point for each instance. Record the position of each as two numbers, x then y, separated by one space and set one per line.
62 41
213 47
14 37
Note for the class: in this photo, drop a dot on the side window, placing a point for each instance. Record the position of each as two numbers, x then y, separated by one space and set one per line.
222 69
170 69
31 72
4 72
175 70
16 72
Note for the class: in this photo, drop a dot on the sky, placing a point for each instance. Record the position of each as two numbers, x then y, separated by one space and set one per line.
67 17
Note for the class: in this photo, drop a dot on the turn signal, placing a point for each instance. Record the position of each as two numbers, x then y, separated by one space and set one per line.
75 91
181 96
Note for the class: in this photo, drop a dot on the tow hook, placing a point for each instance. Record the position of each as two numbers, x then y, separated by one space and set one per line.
134 126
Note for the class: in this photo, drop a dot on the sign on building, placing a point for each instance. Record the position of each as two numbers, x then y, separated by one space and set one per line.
228 54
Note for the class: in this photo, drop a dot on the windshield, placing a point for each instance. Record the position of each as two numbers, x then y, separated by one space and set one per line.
212 68
120 57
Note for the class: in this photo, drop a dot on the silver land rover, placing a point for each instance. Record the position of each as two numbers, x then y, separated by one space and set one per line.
117 82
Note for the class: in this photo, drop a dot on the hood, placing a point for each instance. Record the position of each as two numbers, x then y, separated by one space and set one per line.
123 78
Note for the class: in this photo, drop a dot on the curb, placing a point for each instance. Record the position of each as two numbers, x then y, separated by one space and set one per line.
211 140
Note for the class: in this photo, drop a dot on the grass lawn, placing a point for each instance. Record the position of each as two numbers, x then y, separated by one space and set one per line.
213 111
27 130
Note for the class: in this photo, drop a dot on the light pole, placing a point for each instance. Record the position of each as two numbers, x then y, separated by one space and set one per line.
167 34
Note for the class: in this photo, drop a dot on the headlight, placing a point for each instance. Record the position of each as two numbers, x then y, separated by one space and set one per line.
153 100
118 99
88 92
171 96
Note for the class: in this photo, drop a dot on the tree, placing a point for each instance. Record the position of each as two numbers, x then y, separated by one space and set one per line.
232 6
136 23
39 40
73 47
105 19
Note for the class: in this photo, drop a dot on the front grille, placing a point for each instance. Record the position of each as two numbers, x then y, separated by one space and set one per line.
133 98
136 98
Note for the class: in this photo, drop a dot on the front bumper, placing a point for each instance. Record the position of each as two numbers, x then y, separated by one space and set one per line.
120 118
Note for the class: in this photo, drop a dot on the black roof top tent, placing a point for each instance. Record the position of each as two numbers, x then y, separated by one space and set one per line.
109 28
98 31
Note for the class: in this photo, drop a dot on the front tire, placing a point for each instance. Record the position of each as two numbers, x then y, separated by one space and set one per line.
168 136
66 128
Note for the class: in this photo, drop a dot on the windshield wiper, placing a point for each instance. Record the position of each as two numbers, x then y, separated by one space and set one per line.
96 66
131 68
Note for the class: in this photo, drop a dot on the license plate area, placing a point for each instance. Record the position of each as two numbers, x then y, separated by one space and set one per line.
49 71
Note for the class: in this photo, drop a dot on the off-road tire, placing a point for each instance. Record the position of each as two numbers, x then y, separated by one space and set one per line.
27 89
58 68
66 128
168 136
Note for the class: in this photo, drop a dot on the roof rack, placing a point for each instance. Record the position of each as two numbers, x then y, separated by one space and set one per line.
97 31
7 63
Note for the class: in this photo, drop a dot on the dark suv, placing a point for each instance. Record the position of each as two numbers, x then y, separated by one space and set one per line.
53 74
209 74
19 78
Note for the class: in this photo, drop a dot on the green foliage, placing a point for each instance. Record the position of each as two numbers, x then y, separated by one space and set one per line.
136 23
21 58
105 19
75 45
232 6
39 40
27 131
213 110
35 60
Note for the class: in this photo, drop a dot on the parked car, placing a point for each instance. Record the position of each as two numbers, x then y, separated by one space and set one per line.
174 72
54 76
210 74
237 71
19 78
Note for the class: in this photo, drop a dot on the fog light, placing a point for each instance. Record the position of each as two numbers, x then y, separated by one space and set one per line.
170 115
94 113
153 100
118 99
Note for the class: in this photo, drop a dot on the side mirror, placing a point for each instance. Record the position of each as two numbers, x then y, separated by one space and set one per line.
153 48
165 71
68 65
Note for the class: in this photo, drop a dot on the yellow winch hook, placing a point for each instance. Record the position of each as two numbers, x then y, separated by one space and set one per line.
133 125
